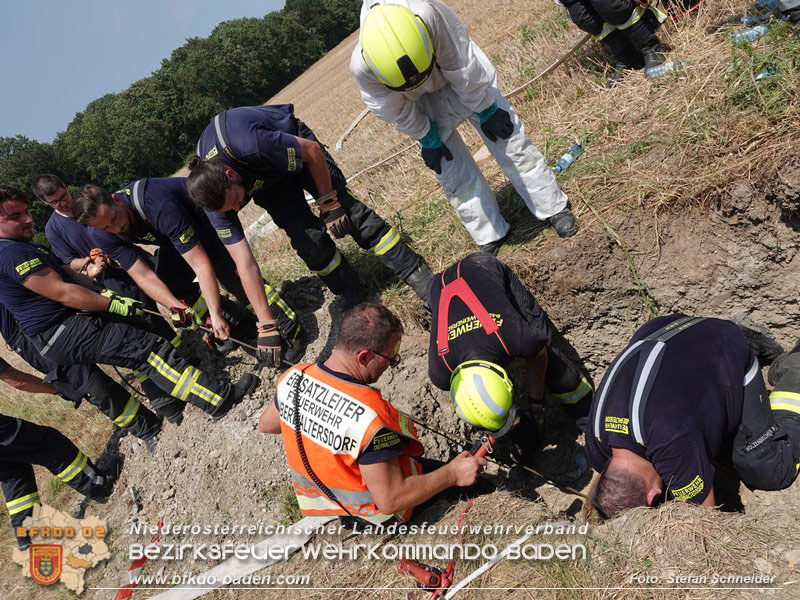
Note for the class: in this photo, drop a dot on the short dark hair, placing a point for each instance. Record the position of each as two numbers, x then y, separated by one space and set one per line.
207 182
45 185
368 326
87 202
8 193
618 489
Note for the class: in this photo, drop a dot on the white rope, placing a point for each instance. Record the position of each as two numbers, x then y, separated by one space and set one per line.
347 131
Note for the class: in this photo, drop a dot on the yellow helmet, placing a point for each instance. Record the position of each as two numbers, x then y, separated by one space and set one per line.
397 47
481 392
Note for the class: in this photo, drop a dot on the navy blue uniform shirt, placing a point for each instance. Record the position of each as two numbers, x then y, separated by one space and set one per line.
260 144
8 324
521 321
694 406
68 238
18 260
170 220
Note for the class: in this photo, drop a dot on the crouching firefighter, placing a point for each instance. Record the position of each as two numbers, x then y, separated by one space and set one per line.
266 154
350 452
24 444
482 319
158 211
43 297
685 395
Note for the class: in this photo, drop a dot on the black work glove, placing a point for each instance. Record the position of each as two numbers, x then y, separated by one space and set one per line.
433 157
269 343
499 125
333 215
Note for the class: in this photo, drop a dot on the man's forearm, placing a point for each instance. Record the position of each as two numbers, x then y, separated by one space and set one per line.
416 489
253 284
85 281
151 284
79 264
25 382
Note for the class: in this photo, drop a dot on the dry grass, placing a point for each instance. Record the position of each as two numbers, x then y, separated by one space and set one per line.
648 144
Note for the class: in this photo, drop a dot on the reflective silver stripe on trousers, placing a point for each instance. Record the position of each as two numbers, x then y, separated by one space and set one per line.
754 369
604 391
52 340
640 387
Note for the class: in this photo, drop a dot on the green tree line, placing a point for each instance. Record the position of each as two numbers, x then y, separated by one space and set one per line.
149 129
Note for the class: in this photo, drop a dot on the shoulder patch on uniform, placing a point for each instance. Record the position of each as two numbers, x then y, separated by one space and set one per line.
212 153
187 235
23 268
385 440
291 155
617 424
259 183
224 233
149 238
690 491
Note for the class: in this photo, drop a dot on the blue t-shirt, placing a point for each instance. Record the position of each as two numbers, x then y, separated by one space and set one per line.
18 260
260 143
68 238
8 324
169 220
693 408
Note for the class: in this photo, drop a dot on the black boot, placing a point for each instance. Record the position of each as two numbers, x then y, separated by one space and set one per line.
240 390
419 279
494 247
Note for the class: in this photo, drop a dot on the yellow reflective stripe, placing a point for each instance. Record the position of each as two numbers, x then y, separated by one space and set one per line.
74 468
180 386
575 395
387 242
19 504
637 14
200 307
158 363
406 424
131 408
176 341
274 298
785 401
206 394
331 266
140 377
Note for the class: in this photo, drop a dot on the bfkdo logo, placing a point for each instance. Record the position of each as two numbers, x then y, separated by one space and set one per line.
46 562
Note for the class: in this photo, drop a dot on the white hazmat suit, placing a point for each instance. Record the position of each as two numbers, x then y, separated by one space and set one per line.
463 83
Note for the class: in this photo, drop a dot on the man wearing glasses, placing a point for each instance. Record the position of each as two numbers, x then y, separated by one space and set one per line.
350 452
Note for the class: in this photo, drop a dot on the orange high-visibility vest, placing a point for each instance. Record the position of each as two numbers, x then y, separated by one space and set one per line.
338 420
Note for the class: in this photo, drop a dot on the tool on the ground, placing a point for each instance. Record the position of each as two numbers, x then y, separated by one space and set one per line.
206 329
427 577
457 443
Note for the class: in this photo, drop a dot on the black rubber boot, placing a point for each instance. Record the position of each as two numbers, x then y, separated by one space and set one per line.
494 247
296 347
241 389
565 223
761 341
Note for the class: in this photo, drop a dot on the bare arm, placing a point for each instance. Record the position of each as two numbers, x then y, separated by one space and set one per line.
150 284
250 276
395 493
314 160
710 501
47 283
79 264
84 280
25 381
207 278
270 420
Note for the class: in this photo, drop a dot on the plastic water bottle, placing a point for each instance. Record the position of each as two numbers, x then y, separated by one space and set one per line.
751 20
749 34
765 75
569 157
663 69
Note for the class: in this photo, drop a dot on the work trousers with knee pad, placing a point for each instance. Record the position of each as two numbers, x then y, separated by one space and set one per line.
591 15
286 204
766 452
77 381
110 340
45 446
469 193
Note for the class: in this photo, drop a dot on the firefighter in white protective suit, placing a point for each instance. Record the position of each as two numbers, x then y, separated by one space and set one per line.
418 69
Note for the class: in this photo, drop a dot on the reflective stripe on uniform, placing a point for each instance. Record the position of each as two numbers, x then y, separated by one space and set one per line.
387 242
131 408
274 298
176 341
574 396
199 307
163 368
138 200
641 385
604 389
636 15
785 401
19 504
75 467
755 368
331 266
187 379
406 424
205 394
53 339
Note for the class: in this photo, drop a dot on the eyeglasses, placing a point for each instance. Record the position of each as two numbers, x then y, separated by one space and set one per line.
393 361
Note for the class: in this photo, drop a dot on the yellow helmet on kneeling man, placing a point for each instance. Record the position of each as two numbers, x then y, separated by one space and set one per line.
481 392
